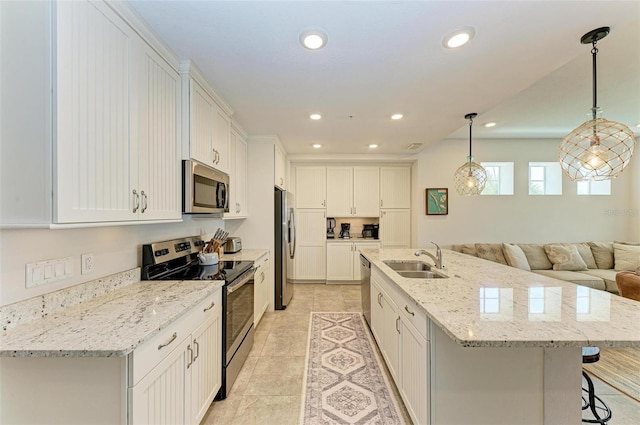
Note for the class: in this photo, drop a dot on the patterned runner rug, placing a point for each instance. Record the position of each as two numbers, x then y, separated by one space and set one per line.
344 381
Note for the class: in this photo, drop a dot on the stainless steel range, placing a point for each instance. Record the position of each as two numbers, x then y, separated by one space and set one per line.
178 260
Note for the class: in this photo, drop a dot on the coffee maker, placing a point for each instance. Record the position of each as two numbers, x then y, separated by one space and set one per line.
331 224
344 230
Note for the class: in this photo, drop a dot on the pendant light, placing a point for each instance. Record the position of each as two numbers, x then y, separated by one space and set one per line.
598 149
470 178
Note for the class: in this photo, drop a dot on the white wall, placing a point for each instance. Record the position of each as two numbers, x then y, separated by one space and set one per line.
520 217
116 249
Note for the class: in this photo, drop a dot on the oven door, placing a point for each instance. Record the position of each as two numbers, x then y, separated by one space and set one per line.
239 311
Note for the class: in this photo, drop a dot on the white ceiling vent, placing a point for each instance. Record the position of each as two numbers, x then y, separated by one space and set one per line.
413 146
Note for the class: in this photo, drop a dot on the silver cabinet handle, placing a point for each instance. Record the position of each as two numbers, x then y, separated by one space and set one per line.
397 324
379 299
406 308
190 350
380 202
323 204
281 181
136 200
355 211
145 202
262 277
195 343
213 303
173 338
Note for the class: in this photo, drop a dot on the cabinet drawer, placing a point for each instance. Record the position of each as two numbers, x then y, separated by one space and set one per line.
149 354
414 315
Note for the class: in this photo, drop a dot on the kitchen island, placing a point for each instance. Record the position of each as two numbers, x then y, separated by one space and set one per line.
490 343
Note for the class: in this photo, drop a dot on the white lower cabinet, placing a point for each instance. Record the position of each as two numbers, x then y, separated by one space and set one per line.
401 331
343 262
310 262
263 287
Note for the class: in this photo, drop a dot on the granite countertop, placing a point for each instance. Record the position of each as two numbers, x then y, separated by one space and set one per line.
353 239
245 255
113 324
485 304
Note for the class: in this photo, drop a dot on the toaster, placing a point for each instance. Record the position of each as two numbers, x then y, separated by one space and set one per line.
233 244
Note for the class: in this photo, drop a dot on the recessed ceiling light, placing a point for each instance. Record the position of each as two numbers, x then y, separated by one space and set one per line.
396 116
638 125
313 40
373 146
315 116
317 145
459 37
490 124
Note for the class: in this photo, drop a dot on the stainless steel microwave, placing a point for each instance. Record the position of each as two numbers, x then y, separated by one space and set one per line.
204 190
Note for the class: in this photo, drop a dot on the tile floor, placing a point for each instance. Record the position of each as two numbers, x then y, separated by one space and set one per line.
269 388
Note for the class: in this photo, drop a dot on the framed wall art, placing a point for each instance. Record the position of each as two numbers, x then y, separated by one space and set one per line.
437 201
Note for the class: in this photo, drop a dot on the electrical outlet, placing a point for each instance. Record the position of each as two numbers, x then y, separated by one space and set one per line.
88 263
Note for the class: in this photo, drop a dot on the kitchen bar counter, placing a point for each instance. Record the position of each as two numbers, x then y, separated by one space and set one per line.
113 324
485 304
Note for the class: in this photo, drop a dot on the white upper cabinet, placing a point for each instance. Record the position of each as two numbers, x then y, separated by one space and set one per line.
238 207
395 187
395 228
311 186
352 192
208 119
280 179
118 118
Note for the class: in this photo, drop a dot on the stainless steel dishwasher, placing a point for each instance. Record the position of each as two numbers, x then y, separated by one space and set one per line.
365 287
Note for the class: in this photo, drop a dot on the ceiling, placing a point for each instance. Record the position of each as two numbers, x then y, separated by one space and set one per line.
525 68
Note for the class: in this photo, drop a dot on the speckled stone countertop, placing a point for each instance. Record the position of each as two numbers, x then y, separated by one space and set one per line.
113 324
245 255
485 304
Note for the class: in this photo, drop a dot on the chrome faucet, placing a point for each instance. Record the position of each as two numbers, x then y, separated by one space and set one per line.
437 258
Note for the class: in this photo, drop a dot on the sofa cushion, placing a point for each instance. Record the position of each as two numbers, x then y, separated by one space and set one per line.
491 252
609 277
536 257
626 257
469 249
565 257
515 256
574 277
603 254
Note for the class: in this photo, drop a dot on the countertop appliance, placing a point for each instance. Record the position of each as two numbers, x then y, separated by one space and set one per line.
177 259
233 245
285 246
204 190
345 229
365 288
331 224
370 231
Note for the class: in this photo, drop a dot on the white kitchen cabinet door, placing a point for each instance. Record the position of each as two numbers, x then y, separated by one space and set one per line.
205 371
377 315
237 177
311 187
158 129
340 191
356 256
262 288
395 228
221 135
94 170
160 397
414 367
201 132
395 187
340 260
366 191
280 168
390 335
310 258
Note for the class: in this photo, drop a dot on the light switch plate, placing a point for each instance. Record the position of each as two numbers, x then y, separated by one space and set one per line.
48 271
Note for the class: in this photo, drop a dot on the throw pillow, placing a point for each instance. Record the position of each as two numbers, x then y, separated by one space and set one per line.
626 257
469 249
491 252
587 255
603 254
565 257
515 256
536 257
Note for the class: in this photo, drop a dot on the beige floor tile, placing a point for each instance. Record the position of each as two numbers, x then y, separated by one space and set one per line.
222 412
352 305
328 305
292 322
299 305
267 320
243 377
268 410
274 365
292 343
275 385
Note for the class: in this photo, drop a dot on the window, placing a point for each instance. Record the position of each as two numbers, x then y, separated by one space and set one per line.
545 178
594 187
499 178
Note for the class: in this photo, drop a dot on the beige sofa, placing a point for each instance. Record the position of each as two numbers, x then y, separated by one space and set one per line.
592 264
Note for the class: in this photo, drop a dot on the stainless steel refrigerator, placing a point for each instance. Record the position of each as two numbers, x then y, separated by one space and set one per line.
285 246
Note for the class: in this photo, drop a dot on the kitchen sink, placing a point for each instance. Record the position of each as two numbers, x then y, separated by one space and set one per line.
408 265
414 269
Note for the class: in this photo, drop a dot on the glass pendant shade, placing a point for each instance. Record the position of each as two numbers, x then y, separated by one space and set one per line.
598 149
470 178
